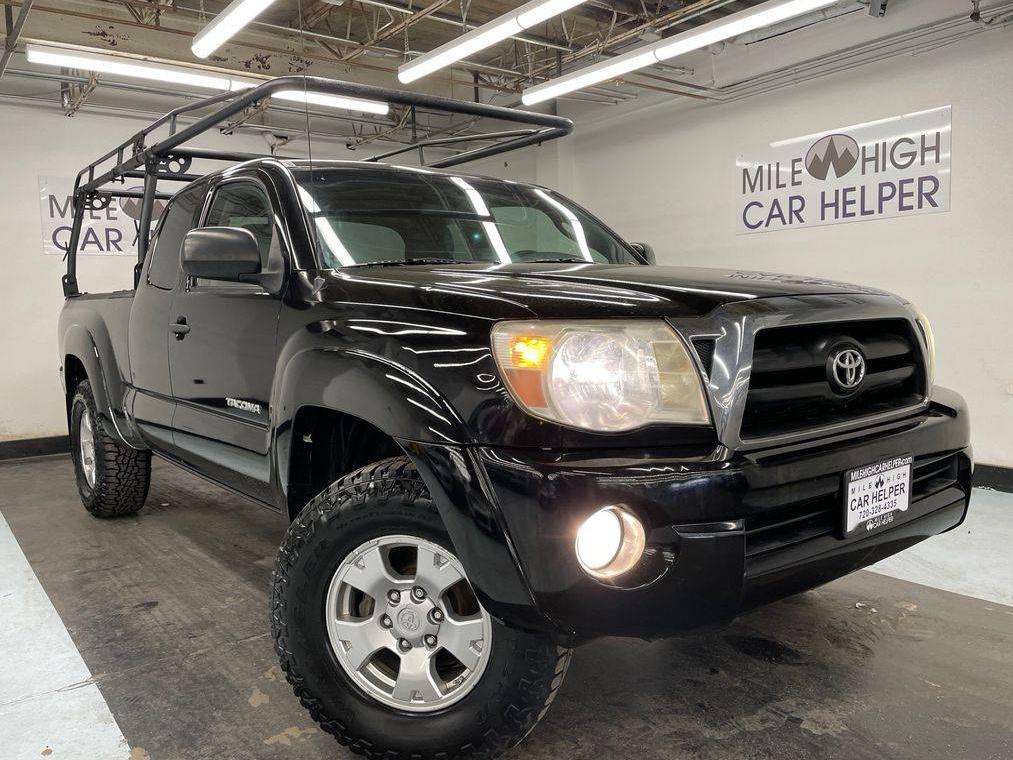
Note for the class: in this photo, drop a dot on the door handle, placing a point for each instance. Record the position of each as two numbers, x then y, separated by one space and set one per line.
180 328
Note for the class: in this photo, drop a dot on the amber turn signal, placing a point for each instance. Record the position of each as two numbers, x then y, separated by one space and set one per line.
529 352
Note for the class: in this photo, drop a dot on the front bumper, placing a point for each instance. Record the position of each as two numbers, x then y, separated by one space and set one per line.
725 532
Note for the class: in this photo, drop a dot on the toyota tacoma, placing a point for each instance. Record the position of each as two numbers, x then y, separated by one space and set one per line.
496 428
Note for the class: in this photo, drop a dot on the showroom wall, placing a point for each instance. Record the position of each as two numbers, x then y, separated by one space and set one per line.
41 142
666 174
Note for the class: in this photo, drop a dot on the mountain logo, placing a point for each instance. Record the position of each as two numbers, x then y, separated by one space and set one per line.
839 152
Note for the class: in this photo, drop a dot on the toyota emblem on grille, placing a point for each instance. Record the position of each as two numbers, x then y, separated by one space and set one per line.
846 369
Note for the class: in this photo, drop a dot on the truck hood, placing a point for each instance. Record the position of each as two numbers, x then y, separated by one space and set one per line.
574 290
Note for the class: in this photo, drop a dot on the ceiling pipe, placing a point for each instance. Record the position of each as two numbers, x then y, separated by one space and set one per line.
451 20
387 32
793 25
919 39
632 35
161 91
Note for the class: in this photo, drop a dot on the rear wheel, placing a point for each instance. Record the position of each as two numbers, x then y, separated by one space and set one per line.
112 478
381 634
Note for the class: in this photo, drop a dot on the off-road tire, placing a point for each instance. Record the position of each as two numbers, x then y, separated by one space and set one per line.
122 474
523 674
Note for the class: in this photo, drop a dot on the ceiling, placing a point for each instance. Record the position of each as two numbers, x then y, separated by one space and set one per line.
358 40
371 38
382 34
366 40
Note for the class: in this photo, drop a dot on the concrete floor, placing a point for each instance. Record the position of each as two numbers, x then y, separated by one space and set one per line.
168 611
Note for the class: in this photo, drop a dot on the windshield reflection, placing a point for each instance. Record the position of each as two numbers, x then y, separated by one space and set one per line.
385 215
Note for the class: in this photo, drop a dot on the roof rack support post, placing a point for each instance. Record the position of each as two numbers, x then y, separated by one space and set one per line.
144 223
70 278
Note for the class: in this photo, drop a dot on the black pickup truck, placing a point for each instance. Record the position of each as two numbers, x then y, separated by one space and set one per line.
497 429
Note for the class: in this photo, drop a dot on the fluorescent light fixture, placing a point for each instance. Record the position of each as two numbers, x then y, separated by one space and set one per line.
124 67
662 50
531 14
226 24
333 101
497 30
578 80
160 72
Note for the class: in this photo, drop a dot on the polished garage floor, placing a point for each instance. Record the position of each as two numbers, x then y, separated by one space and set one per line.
168 613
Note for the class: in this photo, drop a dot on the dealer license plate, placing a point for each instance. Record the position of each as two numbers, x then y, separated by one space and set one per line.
875 493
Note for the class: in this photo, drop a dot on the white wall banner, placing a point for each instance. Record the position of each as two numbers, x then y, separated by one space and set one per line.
110 232
892 167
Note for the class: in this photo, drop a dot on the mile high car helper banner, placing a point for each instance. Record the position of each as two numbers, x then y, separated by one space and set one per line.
892 167
109 232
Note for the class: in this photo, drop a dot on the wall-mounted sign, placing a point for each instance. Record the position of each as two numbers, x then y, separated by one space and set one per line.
887 168
112 231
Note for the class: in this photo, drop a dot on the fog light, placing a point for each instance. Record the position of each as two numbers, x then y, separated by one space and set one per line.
610 543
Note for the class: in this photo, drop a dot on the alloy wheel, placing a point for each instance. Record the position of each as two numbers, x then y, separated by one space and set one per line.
86 442
405 625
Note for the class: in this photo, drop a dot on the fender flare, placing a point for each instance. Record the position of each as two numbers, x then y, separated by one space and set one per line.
355 381
106 386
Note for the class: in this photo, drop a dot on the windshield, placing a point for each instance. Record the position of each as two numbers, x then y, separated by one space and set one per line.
382 215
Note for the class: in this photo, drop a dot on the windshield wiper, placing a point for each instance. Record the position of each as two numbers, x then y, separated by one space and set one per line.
568 260
402 262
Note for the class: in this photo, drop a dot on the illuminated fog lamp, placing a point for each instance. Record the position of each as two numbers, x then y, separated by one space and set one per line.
610 543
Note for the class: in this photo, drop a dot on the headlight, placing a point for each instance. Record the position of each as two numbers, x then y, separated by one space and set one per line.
930 343
605 376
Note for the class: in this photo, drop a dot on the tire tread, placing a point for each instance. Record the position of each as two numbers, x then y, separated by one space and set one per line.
544 667
124 474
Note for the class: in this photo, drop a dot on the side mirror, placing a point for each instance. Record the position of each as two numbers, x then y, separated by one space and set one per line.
220 253
646 251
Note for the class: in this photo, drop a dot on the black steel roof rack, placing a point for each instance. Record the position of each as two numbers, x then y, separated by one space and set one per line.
168 159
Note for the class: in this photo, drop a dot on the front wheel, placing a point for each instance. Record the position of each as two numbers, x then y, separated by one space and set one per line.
381 634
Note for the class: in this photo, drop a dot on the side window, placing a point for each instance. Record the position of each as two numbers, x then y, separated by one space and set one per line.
243 204
180 218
